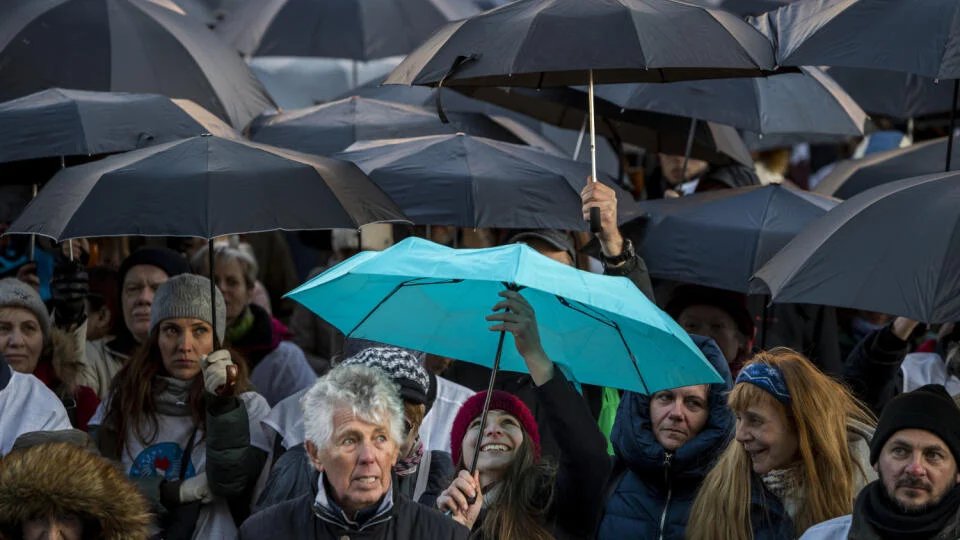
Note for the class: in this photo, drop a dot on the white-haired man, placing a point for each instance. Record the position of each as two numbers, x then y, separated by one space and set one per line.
353 422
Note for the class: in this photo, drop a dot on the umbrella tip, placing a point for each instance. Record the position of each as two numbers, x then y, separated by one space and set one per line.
206 134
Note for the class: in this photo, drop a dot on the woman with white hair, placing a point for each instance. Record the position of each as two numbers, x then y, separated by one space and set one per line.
354 426
278 368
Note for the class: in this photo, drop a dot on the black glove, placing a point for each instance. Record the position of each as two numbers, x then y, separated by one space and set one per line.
68 290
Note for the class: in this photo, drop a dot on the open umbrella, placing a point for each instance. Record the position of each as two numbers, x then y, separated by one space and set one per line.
123 46
852 176
355 29
601 329
891 249
475 182
894 94
539 43
59 122
332 127
721 238
857 33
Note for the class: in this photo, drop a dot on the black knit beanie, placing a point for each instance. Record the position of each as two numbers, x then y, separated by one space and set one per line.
168 260
929 408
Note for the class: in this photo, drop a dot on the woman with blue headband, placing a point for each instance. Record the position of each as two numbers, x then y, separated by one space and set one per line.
800 455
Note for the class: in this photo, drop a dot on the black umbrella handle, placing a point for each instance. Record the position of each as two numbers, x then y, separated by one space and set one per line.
596 227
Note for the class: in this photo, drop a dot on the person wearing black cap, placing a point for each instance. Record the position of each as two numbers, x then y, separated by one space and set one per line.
718 314
140 275
915 451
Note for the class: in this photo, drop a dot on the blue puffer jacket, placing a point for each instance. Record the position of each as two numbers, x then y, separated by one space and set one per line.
652 498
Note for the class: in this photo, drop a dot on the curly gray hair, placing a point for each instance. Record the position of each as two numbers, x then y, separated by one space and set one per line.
366 391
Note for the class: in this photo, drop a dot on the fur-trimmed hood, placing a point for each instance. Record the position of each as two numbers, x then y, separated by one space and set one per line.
61 478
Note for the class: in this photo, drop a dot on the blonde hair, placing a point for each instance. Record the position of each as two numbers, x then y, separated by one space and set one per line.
818 412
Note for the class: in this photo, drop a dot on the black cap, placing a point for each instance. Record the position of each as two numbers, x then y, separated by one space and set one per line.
929 408
165 259
560 240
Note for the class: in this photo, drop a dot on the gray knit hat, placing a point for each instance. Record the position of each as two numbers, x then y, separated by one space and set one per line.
15 293
188 296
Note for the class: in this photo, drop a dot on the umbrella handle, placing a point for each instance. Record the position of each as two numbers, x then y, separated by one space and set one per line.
595 225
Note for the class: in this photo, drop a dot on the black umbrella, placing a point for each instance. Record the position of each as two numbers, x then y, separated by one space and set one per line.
913 37
892 249
539 43
567 108
852 176
123 46
808 102
894 94
470 181
356 29
721 238
204 187
59 122
332 127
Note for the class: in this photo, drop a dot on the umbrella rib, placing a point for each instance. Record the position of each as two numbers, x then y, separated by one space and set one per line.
409 283
583 309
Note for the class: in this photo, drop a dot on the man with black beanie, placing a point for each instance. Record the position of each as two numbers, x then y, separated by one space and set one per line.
141 273
915 451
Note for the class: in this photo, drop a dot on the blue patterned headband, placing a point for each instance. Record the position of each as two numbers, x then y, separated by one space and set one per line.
768 378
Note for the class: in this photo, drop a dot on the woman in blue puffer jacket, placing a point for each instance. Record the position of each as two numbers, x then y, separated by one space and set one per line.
665 445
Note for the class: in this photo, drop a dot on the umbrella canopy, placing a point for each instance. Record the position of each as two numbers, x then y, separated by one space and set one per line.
567 108
852 176
59 122
204 187
297 82
123 46
356 29
807 102
858 33
721 238
891 249
541 43
894 94
470 181
332 127
600 328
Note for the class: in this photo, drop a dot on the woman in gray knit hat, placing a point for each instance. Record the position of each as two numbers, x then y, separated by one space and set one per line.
31 344
181 419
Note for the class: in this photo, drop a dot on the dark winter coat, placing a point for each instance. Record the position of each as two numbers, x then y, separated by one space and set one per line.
295 520
873 368
654 494
60 368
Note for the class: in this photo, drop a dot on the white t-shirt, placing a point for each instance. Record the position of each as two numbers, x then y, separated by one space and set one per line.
163 456
26 404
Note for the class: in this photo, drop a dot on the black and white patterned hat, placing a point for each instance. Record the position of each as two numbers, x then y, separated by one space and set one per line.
401 366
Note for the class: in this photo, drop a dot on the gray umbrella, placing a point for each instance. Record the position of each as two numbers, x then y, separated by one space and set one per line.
852 176
58 122
720 238
123 46
204 187
470 181
894 94
892 249
332 127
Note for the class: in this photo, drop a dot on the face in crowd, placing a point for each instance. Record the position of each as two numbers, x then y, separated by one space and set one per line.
21 338
182 343
678 415
917 469
139 286
357 461
713 322
500 443
237 291
767 434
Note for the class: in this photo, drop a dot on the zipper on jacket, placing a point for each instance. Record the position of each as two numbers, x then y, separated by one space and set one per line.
666 478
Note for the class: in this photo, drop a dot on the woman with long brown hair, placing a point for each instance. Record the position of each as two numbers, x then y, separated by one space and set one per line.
181 420
514 494
800 456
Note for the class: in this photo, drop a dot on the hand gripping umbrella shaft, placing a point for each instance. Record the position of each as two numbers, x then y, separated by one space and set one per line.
595 224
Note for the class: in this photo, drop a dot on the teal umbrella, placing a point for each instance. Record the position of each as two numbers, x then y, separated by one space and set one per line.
600 330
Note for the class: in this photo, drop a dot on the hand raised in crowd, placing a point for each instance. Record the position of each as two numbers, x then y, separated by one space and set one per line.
219 373
902 327
196 488
520 320
602 196
456 498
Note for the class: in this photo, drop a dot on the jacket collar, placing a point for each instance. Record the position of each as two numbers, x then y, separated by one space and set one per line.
327 510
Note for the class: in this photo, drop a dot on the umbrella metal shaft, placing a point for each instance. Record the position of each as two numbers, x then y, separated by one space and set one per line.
953 119
595 226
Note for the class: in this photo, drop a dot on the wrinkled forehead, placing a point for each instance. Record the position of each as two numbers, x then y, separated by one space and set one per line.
697 390
345 418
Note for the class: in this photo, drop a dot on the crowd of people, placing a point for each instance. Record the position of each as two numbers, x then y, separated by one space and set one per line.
141 402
